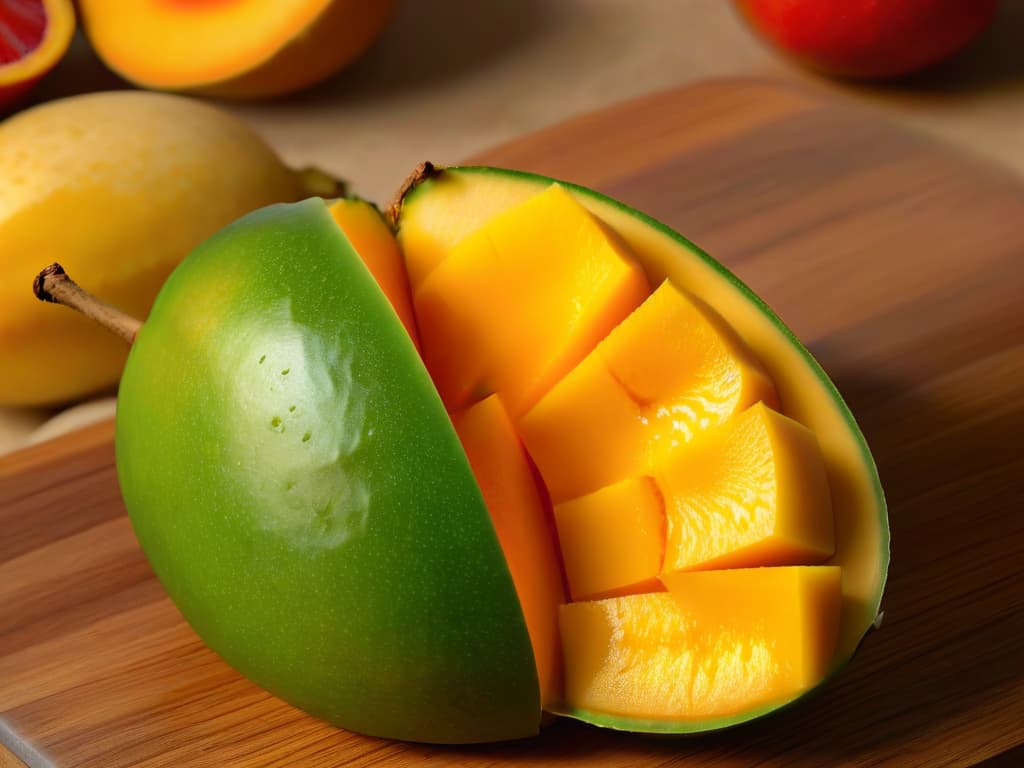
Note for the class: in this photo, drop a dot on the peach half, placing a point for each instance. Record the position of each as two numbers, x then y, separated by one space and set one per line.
232 48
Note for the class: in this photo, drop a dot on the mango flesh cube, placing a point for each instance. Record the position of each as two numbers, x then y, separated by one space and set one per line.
675 355
670 371
523 523
718 643
753 492
522 300
613 540
585 433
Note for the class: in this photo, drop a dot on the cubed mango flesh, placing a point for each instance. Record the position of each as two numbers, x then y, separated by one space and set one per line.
752 492
522 520
613 540
519 302
718 643
670 371
370 235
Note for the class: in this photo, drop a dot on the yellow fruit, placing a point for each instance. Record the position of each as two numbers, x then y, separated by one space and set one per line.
120 186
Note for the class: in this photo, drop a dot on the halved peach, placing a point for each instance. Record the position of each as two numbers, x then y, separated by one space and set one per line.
232 48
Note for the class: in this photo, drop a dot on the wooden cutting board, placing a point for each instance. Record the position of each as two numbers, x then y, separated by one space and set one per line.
896 259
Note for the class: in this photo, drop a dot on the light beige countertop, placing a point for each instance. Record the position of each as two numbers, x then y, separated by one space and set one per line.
452 77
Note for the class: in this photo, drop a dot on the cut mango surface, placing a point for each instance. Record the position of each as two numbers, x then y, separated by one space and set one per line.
753 492
750 493
718 643
613 540
686 440
449 206
667 373
522 521
522 300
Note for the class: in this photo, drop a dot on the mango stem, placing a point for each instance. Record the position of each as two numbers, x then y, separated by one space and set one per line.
422 172
54 285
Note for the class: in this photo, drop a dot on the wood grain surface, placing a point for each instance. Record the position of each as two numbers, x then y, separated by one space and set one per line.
897 260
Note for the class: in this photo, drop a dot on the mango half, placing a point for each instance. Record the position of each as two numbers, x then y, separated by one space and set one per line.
292 471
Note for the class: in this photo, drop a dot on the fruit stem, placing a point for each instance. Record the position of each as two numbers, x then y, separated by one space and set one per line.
422 172
54 285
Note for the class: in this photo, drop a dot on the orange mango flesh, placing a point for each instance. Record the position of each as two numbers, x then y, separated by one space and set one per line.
366 229
666 462
668 372
718 643
446 208
522 521
522 300
658 395
613 540
751 493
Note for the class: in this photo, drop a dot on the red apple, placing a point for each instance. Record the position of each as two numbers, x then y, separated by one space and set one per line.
869 38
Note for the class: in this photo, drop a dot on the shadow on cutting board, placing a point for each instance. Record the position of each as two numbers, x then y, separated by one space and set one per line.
433 42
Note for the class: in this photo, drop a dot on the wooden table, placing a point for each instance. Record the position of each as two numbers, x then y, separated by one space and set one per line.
897 260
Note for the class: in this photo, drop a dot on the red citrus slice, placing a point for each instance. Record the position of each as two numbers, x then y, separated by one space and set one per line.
34 34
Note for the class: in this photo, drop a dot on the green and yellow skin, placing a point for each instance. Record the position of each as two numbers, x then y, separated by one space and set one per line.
299 490
293 477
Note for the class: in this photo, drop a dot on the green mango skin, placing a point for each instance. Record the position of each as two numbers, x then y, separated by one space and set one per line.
293 478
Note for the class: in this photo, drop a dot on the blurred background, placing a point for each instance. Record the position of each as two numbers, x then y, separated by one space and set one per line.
449 78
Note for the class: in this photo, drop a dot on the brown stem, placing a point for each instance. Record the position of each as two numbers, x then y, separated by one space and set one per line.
54 285
420 173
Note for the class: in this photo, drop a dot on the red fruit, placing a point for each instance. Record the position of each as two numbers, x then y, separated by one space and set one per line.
869 38
34 34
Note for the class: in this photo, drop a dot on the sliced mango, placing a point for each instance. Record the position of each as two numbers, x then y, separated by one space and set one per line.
668 372
447 206
718 644
613 540
522 521
366 229
753 492
518 303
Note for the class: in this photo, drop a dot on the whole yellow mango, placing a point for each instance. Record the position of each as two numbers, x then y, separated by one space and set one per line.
120 186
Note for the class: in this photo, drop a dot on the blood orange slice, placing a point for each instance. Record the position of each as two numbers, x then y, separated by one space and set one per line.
34 34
